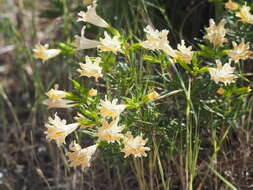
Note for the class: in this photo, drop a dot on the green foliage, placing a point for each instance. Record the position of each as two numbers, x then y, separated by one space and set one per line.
193 117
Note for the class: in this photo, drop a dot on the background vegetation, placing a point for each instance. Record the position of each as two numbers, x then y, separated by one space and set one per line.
27 161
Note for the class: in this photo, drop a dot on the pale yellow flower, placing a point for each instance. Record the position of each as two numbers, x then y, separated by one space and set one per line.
92 92
110 44
80 157
134 145
59 103
184 53
91 69
220 91
110 132
216 34
230 5
42 52
90 16
223 73
55 94
58 130
81 42
240 51
157 40
111 109
167 49
55 99
153 95
245 15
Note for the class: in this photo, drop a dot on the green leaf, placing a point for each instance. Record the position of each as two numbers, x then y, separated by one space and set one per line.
151 59
76 85
66 49
240 91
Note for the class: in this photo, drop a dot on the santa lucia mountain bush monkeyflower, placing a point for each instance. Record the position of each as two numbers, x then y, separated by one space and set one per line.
110 44
245 15
58 130
231 5
92 92
153 95
134 145
102 118
43 52
157 40
56 99
223 73
80 156
216 33
90 16
90 68
240 51
88 2
184 53
105 44
111 109
81 42
110 132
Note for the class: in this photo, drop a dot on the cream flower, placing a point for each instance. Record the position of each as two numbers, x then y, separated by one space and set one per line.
59 103
153 95
110 44
90 16
92 92
216 34
221 91
55 94
134 146
240 51
111 109
91 69
42 52
245 15
80 157
157 40
55 99
110 132
82 42
58 130
230 5
223 73
184 53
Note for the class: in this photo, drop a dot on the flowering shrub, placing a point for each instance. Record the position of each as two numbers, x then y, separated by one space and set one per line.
147 92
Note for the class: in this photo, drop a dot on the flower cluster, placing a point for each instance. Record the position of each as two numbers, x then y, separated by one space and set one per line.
101 118
107 127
